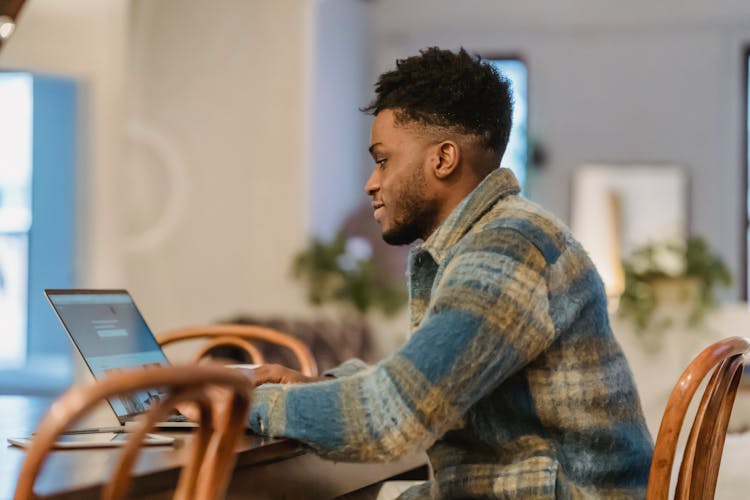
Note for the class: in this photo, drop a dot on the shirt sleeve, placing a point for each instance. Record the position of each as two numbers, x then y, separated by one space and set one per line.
348 367
489 316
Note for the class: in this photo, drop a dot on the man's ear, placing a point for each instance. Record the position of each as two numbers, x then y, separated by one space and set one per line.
448 157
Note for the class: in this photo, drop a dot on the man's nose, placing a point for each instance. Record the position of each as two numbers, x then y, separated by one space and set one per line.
373 183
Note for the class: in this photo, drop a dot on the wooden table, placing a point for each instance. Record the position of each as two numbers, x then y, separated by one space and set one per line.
266 468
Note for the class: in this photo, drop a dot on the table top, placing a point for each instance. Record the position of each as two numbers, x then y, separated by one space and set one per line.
269 468
84 470
18 417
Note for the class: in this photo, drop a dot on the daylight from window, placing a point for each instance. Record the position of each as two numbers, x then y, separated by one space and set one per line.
15 214
517 151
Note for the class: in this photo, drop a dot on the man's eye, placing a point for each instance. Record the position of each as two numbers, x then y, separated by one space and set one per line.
380 162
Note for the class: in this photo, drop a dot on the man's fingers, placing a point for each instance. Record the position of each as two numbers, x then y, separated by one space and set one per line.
277 374
266 374
263 374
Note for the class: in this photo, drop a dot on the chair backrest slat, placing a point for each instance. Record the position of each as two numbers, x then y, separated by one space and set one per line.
702 456
696 438
714 429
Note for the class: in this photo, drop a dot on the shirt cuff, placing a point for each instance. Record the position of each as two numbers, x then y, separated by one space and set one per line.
267 411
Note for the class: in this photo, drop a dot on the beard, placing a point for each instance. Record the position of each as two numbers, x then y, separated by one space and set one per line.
405 232
414 216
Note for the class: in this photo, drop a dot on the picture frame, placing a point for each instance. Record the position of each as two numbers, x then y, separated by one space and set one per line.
616 208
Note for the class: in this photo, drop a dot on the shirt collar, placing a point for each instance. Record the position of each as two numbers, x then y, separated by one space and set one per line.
496 185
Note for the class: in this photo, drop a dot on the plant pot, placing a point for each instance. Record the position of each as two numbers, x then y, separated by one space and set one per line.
677 301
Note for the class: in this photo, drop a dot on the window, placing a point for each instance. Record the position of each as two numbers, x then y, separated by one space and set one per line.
515 157
15 213
37 226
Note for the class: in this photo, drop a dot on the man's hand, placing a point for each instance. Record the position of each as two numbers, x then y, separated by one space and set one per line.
277 374
263 374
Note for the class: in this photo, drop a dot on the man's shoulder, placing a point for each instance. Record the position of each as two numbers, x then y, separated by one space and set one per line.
510 210
521 219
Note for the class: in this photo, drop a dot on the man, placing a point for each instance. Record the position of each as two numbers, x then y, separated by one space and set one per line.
511 379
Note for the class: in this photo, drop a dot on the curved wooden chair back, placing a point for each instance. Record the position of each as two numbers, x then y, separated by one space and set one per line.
241 336
701 459
208 470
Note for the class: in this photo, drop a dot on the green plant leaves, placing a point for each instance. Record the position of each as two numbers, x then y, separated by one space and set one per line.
342 271
692 262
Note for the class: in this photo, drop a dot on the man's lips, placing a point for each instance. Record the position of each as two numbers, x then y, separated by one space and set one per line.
377 209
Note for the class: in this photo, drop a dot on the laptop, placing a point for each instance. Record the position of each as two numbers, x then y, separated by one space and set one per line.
110 333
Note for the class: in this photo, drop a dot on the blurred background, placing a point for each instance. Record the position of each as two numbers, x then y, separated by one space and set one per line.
191 151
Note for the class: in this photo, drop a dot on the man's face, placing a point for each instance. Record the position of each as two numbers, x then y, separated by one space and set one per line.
402 201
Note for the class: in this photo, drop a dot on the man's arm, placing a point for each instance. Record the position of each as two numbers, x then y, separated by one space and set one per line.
488 318
348 367
279 374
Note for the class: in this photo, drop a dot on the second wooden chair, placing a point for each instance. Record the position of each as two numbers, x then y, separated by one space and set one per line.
242 337
699 469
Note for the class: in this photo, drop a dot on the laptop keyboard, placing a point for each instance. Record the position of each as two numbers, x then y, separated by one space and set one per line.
177 417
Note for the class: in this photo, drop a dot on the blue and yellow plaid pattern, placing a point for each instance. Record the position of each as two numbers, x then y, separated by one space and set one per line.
511 379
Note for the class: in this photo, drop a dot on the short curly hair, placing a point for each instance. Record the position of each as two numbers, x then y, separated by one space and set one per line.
452 90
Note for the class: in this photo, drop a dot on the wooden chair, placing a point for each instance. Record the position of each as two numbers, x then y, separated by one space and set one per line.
701 459
241 336
211 459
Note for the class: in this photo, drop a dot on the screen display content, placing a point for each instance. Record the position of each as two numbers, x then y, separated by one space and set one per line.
112 336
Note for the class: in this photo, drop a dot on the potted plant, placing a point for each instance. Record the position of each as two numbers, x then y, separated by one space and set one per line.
343 271
681 275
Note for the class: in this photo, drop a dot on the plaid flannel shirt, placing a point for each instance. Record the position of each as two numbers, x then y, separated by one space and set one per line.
511 380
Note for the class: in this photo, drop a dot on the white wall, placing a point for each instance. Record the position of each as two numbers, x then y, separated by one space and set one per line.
196 146
248 100
621 82
339 132
223 93
85 41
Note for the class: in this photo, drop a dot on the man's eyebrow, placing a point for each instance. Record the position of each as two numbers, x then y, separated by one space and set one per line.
372 148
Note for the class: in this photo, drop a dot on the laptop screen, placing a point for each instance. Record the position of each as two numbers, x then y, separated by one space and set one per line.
111 335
